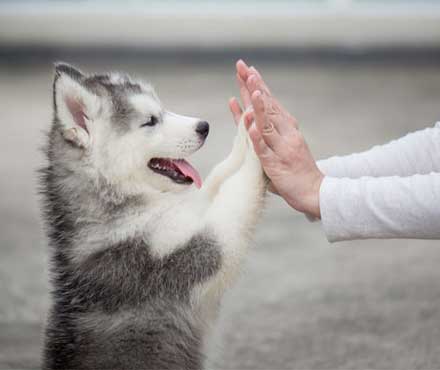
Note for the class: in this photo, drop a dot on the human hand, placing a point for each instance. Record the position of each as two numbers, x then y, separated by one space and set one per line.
237 111
280 146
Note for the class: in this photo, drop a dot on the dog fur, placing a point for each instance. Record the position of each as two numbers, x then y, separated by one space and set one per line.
139 262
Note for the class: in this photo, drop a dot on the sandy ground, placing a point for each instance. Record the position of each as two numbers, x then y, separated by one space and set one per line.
301 302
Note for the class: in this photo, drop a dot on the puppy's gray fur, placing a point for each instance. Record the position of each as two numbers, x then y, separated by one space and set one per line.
139 263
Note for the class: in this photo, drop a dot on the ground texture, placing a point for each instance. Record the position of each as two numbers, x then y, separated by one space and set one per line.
301 303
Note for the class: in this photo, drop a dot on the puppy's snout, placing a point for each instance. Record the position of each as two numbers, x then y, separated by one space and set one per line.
202 129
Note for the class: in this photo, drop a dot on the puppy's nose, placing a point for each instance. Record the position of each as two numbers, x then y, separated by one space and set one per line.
203 129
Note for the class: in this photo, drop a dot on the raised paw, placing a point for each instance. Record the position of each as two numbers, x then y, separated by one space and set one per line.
241 141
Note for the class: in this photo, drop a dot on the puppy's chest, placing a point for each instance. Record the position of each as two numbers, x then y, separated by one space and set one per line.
172 229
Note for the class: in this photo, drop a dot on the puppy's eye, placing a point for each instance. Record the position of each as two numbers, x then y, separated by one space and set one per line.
152 121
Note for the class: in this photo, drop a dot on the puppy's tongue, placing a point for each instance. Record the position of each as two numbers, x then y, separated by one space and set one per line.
189 171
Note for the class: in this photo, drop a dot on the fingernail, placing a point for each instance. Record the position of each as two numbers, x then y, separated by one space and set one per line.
257 93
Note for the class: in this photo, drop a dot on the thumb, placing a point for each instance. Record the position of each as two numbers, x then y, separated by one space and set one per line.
234 107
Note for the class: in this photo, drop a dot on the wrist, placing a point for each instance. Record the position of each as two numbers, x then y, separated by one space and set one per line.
313 208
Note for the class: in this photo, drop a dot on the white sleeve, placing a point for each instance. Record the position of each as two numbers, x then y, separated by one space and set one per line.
415 153
384 207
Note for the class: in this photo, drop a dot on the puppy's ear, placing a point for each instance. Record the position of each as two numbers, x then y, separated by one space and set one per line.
75 106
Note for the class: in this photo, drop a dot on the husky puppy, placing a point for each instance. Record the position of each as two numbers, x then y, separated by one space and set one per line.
140 256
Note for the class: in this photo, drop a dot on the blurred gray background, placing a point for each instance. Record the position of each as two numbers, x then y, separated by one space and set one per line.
355 74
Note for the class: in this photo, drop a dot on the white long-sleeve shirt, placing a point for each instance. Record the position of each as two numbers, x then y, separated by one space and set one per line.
389 191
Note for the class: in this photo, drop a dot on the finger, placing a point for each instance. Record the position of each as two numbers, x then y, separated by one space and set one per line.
283 122
253 70
248 119
244 92
281 119
259 111
235 109
255 82
251 84
264 124
242 69
261 83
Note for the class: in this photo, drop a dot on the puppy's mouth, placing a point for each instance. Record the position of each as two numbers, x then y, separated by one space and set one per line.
178 170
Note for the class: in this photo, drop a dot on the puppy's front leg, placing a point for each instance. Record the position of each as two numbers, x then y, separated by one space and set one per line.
235 211
229 166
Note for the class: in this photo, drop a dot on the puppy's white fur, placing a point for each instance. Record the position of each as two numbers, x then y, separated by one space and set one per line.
228 204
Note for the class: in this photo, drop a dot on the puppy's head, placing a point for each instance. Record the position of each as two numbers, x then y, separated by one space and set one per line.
118 128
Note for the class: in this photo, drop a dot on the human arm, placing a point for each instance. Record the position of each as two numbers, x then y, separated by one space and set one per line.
384 207
368 207
415 153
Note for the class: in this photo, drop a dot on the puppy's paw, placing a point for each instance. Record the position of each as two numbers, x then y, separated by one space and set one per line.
241 142
241 132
